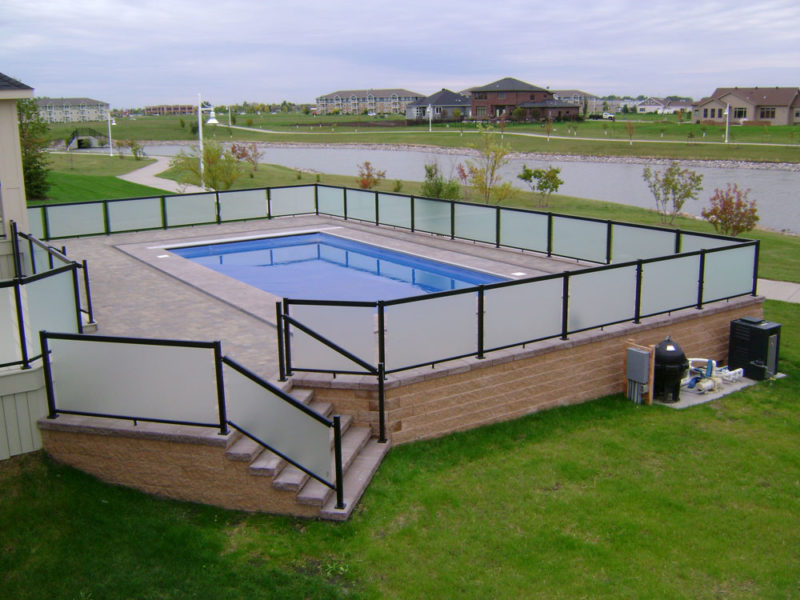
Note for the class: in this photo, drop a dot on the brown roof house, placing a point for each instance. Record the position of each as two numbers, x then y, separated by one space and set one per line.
764 105
12 185
504 96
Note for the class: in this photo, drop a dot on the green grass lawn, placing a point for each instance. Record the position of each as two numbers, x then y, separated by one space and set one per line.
602 500
607 138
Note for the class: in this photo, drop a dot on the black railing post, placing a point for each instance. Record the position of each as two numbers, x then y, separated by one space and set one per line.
15 249
46 223
549 234
269 203
413 223
164 220
755 267
48 376
481 290
223 412
76 289
638 307
217 207
106 218
23 346
32 254
678 241
701 279
377 210
89 309
281 358
287 346
565 306
344 203
316 199
452 220
381 403
497 232
609 240
337 453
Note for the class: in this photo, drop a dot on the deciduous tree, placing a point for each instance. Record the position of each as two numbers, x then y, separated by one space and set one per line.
368 176
484 173
220 167
671 189
544 182
436 186
731 212
33 143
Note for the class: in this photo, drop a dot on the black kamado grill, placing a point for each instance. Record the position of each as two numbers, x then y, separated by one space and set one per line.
670 367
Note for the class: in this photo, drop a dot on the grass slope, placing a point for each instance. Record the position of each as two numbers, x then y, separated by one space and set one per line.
602 500
69 187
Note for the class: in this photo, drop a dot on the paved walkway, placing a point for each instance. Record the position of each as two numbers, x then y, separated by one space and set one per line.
779 290
148 175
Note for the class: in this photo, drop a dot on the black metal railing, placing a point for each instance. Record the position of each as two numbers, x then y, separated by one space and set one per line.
90 390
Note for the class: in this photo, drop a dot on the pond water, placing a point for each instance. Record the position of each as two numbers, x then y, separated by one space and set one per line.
776 191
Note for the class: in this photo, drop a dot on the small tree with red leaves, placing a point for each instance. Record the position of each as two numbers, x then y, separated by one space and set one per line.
368 176
731 213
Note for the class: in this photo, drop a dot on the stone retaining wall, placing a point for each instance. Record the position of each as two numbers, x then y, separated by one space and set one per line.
430 402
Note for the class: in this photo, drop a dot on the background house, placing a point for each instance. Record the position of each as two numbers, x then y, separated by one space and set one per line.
773 106
356 102
504 96
591 103
171 109
445 104
72 110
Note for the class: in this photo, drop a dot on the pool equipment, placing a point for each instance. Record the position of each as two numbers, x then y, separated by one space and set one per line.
670 367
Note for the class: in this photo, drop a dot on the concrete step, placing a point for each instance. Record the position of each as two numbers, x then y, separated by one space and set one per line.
293 479
356 481
244 449
303 395
317 493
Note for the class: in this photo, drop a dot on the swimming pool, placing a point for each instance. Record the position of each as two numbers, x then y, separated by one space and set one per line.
319 266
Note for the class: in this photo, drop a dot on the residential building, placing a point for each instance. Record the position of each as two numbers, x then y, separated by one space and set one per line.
592 103
504 96
12 182
72 110
444 105
171 109
356 102
663 106
770 105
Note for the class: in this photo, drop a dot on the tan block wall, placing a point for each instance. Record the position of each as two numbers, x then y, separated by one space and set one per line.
182 471
510 384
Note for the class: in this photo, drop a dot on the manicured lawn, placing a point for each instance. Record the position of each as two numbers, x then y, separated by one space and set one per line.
68 187
603 500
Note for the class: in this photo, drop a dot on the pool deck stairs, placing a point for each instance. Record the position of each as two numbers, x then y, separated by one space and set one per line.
200 465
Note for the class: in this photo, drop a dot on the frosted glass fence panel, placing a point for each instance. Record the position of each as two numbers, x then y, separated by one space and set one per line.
669 284
274 421
361 205
523 312
431 330
632 243
9 340
291 201
244 204
350 327
602 297
432 216
41 259
728 273
476 223
394 210
51 306
330 201
171 383
129 215
581 239
191 210
523 230
690 242
75 219
35 226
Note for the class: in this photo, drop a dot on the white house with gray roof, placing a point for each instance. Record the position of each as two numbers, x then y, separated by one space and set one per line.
445 104
356 102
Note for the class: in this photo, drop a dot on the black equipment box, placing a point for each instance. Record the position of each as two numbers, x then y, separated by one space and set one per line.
754 345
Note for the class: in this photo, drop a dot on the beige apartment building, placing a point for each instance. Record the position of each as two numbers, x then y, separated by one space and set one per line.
356 102
772 106
72 110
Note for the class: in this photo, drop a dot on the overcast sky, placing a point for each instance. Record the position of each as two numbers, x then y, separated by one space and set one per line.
134 53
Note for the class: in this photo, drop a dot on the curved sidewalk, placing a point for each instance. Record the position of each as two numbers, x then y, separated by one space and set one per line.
148 175
785 291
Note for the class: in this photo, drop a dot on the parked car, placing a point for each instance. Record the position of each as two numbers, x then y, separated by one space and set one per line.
608 116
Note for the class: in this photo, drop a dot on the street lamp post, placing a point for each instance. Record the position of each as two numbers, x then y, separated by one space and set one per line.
727 120
211 121
110 123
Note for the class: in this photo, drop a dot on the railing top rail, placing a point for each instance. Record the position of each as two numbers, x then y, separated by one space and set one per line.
277 391
129 340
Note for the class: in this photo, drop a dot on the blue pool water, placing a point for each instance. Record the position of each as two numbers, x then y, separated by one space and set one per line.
318 266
